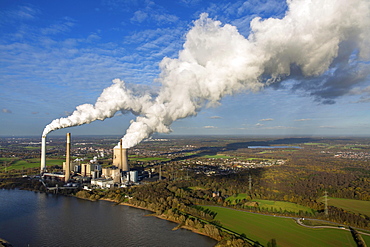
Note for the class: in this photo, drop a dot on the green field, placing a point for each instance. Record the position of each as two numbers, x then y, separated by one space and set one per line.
316 144
278 206
355 206
239 196
286 231
32 148
148 158
17 164
217 156
366 239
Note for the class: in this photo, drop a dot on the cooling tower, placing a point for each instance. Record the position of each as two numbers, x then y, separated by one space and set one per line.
67 168
43 154
120 157
124 156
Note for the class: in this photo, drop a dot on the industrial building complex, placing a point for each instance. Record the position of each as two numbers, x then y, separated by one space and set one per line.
92 174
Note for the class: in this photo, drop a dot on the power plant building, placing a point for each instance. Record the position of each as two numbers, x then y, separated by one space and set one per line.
102 177
120 158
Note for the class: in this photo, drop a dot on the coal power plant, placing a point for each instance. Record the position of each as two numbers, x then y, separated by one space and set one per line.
76 171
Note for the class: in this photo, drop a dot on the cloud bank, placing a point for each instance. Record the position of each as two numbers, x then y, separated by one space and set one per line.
322 44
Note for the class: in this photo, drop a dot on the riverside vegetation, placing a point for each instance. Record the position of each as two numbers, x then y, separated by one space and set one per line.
340 167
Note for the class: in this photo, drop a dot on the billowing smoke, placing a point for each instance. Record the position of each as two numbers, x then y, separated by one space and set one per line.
316 41
114 98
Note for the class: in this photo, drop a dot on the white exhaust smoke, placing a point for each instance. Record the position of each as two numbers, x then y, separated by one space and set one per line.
325 38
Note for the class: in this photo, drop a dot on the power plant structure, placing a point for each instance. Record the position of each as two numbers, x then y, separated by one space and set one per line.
120 158
119 172
67 165
43 153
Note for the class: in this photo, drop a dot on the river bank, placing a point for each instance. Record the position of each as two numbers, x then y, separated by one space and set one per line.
164 217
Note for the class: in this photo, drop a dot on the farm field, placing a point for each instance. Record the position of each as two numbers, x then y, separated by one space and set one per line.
355 206
263 228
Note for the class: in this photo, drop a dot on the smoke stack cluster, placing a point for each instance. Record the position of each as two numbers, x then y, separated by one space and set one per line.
322 44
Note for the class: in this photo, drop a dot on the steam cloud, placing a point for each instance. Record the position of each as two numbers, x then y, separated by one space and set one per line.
323 44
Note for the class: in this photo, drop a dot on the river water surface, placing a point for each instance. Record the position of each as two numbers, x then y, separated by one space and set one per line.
37 219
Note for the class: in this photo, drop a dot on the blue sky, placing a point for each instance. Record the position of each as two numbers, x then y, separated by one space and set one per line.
56 55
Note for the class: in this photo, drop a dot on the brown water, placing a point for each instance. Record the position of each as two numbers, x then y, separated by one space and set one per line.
37 219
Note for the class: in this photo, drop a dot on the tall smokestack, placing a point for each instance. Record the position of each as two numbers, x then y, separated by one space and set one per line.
124 157
43 154
68 151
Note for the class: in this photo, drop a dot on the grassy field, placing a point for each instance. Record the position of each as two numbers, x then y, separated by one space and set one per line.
366 239
17 164
355 206
287 232
148 158
279 206
217 156
239 196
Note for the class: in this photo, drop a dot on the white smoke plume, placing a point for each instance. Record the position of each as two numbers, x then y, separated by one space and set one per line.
315 39
114 98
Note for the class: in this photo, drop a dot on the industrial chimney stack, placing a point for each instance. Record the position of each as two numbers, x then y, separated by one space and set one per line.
43 154
67 164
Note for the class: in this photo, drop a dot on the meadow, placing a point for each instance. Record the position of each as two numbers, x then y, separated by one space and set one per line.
143 159
18 164
278 206
355 206
286 231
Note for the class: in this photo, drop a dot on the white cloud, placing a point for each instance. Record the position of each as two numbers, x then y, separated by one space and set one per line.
328 127
210 127
302 120
280 128
215 117
266 119
60 27
139 16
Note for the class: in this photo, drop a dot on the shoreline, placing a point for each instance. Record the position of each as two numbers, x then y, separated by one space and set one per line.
163 217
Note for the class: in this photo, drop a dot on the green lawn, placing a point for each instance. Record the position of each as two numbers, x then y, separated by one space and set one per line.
355 206
263 228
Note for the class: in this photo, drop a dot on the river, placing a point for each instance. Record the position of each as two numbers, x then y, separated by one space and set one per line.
37 219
